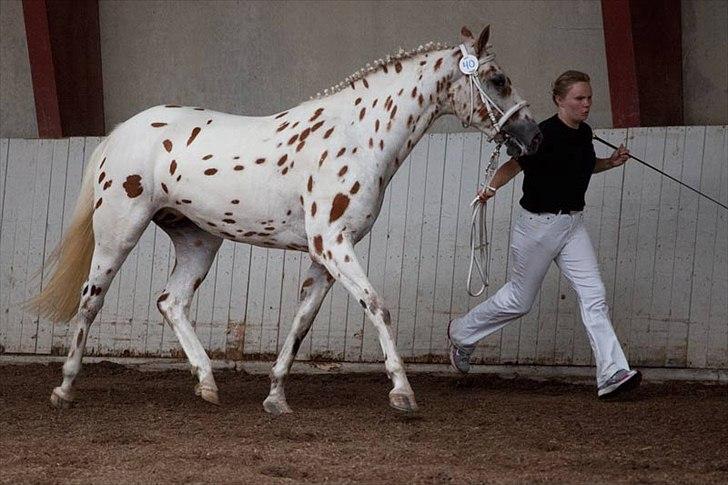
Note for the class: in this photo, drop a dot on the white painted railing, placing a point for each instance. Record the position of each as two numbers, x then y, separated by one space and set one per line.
663 254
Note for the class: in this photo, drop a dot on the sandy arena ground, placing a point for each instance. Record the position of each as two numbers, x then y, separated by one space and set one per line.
148 427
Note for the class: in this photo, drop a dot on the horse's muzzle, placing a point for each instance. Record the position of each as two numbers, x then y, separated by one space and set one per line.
524 137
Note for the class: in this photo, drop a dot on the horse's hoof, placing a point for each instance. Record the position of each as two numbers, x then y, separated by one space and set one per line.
207 393
275 406
403 402
61 399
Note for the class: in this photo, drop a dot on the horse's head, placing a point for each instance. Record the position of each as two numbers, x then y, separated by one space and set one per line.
483 97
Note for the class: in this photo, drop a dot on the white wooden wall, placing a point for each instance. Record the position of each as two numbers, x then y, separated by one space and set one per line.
663 253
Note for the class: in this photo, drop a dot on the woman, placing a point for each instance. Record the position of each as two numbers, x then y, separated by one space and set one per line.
550 228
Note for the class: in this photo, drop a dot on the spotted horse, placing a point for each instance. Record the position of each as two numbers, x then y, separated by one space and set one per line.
311 178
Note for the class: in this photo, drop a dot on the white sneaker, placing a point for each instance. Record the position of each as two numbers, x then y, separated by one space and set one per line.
459 358
621 381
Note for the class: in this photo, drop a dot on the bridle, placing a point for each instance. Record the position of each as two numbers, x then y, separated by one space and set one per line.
469 65
479 247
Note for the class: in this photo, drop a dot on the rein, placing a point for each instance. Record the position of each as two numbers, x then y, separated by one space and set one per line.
663 173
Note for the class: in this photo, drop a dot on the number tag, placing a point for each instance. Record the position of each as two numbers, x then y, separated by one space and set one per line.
469 64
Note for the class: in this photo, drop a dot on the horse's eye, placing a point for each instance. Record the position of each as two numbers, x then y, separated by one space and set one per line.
499 80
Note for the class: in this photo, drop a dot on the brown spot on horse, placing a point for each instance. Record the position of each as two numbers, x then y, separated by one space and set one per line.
316 114
195 131
338 207
318 244
167 145
133 186
323 157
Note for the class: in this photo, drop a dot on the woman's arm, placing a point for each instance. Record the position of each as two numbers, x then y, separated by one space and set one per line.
502 176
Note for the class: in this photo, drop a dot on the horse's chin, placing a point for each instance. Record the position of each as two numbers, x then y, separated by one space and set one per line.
514 149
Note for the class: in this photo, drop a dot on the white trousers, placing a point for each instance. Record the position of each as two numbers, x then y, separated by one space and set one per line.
537 240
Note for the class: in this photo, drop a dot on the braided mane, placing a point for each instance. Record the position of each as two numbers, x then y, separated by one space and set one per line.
375 66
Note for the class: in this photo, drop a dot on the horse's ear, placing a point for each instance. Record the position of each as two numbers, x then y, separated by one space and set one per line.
482 41
466 35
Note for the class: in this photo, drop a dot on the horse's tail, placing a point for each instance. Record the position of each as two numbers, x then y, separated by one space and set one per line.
71 259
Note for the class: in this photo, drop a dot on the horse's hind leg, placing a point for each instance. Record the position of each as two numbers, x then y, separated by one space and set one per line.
313 290
194 251
115 236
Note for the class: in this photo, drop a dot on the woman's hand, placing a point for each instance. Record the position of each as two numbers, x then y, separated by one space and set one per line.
486 193
619 156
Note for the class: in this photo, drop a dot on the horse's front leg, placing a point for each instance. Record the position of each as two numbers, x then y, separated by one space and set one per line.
337 255
313 290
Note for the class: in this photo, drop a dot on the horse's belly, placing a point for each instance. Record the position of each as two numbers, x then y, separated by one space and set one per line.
244 212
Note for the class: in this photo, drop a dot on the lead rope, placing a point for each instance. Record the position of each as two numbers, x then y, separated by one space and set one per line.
479 246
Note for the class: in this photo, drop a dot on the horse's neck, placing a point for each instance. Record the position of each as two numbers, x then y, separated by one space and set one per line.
392 109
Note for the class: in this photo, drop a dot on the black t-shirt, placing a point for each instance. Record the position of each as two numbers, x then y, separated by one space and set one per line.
557 175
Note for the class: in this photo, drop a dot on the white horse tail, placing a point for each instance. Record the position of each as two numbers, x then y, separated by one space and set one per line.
71 259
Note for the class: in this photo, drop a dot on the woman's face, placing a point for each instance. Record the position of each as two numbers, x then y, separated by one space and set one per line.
574 106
